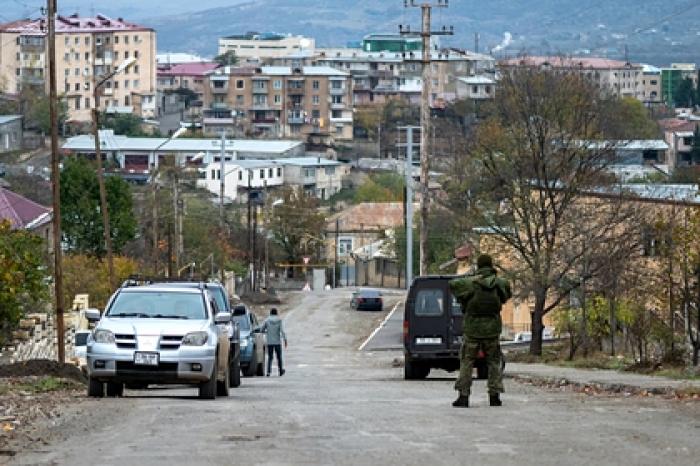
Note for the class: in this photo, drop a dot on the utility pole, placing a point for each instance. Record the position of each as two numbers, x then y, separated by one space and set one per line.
408 172
176 219
56 185
335 256
250 233
222 191
426 59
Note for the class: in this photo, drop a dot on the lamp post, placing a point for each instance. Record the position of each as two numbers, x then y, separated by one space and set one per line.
100 171
154 190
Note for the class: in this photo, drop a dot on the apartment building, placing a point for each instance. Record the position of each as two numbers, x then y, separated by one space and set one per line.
672 76
279 101
651 85
184 76
264 45
620 78
87 48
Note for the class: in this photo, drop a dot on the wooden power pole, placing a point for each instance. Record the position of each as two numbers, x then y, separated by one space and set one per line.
56 182
426 59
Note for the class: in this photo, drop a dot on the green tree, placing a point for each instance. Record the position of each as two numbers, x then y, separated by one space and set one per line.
227 58
685 94
80 209
297 225
127 124
381 187
628 118
22 275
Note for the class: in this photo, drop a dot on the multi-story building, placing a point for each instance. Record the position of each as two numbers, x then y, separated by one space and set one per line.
620 78
264 45
280 101
671 77
651 85
379 76
87 48
185 76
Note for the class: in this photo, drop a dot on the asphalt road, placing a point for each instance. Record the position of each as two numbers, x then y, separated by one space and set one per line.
339 405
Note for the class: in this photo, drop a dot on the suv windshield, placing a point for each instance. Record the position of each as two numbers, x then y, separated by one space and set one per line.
158 305
218 293
243 322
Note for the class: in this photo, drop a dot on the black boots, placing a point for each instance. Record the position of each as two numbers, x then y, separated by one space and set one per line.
495 399
461 402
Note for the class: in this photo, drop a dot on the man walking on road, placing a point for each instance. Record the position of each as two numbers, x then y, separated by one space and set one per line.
481 297
274 327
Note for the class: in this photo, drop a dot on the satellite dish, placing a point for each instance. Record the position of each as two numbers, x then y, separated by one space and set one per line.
304 43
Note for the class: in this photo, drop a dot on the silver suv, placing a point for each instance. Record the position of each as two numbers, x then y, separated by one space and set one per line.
159 335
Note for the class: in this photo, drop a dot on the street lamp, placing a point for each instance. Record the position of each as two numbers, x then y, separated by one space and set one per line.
154 189
100 171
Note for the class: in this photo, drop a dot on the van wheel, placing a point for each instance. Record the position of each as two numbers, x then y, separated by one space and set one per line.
482 372
414 370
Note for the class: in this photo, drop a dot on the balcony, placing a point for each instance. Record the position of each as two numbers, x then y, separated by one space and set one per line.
296 91
361 87
219 106
295 120
219 89
338 106
262 106
338 91
103 61
260 89
343 119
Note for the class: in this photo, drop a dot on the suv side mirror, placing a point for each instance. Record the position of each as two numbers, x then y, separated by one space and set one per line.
93 315
223 318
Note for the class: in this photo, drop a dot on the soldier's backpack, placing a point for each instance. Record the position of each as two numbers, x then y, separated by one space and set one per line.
486 300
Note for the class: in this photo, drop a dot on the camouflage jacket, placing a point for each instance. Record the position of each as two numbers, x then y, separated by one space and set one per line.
476 294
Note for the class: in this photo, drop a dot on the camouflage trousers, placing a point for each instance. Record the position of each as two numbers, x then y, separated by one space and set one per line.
468 355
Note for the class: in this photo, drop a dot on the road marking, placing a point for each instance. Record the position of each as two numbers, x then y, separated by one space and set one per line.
381 326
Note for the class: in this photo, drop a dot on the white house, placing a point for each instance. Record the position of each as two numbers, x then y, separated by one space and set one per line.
476 87
241 175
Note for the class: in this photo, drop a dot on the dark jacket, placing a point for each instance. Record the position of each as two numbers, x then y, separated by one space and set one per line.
482 317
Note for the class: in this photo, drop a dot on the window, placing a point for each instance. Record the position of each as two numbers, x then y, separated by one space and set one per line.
213 174
337 99
239 100
66 87
270 173
429 302
136 71
278 99
66 57
315 100
67 72
330 170
310 172
116 55
126 39
127 101
77 56
77 40
77 71
240 175
277 84
136 83
262 174
240 84
315 114
136 39
66 40
344 246
77 103
136 53
126 54
279 171
337 84
87 102
116 39
77 86
87 56
87 40
316 84
126 84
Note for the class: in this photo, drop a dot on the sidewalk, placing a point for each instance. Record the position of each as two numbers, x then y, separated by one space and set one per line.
607 379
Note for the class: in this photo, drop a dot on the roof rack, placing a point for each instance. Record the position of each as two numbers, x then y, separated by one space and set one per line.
141 280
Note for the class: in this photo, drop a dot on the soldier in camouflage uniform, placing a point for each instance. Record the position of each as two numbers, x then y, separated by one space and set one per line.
481 297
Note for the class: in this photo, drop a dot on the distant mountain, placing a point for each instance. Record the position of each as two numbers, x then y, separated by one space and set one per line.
655 31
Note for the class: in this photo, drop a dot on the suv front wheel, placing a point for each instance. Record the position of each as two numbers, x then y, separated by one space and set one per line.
207 390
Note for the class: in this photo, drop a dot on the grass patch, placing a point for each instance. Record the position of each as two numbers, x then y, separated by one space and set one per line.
38 385
678 373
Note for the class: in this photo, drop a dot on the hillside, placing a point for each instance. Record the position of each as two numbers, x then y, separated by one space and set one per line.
656 31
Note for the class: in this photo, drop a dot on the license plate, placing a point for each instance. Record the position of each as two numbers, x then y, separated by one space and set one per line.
428 341
146 359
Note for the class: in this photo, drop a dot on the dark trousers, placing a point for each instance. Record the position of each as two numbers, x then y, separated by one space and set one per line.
274 350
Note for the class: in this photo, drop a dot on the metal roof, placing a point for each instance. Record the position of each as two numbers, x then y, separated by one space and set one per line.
112 142
310 162
9 118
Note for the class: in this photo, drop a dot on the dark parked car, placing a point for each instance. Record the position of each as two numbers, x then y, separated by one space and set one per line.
252 341
432 329
367 300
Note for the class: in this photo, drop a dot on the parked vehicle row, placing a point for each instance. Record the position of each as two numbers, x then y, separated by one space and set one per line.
171 333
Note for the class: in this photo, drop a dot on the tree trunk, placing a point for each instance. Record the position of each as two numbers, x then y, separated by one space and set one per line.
537 326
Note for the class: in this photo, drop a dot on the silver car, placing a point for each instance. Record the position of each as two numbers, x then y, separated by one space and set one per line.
159 335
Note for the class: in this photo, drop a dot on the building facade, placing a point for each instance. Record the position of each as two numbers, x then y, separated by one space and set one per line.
173 78
279 101
87 48
671 78
619 78
264 45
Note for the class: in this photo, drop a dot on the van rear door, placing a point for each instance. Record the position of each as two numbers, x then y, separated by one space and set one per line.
455 332
427 329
